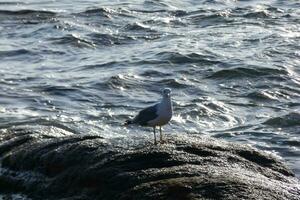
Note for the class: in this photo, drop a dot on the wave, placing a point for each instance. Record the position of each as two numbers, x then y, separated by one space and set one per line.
178 13
178 58
37 13
149 11
103 12
295 143
288 120
130 82
97 66
39 122
165 22
103 39
265 12
138 27
262 95
12 3
138 31
18 52
172 83
106 12
94 40
155 73
117 82
56 90
73 40
211 17
24 55
269 94
27 16
206 18
154 3
257 14
24 79
240 72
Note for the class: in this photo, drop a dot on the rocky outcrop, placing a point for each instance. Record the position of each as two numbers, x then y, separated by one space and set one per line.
51 163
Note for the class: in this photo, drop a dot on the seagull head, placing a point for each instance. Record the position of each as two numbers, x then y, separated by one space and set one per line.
166 92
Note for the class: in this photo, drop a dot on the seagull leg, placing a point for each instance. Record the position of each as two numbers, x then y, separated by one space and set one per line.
154 135
161 138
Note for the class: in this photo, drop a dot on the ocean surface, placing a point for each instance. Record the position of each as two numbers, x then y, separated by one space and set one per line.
87 66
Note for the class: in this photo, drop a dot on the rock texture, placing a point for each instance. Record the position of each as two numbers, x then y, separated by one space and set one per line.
50 163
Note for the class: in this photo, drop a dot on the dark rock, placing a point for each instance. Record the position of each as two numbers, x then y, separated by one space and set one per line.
51 163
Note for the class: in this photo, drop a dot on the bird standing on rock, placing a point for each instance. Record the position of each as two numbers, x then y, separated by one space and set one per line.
156 115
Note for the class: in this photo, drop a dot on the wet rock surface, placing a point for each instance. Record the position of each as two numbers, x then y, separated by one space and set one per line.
51 163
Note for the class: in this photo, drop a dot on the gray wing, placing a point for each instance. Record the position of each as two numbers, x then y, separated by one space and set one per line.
146 115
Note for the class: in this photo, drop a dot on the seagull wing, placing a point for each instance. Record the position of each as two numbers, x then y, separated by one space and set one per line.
146 115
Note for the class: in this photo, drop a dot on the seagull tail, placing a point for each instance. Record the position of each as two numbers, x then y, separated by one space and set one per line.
127 122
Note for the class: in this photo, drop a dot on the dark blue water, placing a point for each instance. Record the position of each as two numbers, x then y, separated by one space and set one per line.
87 66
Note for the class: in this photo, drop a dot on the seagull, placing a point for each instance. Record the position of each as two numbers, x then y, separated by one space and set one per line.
157 115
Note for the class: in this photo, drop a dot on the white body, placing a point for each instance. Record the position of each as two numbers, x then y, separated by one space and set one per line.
164 112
